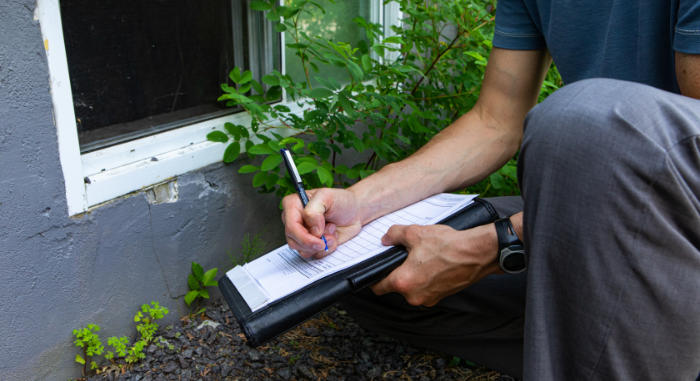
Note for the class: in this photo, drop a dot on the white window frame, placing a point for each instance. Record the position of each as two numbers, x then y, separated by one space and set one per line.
97 177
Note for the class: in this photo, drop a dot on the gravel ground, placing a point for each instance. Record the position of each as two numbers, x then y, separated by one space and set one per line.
330 346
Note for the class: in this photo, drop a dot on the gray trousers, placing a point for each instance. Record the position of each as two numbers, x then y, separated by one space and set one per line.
610 176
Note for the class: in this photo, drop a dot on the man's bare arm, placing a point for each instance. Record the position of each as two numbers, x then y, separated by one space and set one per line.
472 147
688 74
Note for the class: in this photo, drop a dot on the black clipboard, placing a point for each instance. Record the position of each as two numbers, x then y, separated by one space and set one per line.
288 312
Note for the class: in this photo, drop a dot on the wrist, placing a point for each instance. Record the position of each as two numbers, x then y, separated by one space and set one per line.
485 241
512 257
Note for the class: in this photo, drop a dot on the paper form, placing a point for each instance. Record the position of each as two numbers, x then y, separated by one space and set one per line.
282 271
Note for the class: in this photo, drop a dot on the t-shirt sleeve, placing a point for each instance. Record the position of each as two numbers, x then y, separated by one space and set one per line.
515 28
687 31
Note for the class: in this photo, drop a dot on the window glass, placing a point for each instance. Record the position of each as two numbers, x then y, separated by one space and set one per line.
143 66
336 25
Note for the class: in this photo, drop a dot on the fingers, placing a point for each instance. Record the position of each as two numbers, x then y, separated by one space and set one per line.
314 213
403 282
326 211
298 236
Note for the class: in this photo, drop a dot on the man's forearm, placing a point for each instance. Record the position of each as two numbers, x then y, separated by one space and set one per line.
462 154
470 149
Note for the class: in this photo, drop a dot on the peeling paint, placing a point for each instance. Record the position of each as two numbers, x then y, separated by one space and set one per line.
163 193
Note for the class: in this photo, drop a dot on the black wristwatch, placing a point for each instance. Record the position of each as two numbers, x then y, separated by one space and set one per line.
512 258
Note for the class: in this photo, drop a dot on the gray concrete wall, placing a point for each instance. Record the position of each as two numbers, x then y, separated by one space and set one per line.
59 273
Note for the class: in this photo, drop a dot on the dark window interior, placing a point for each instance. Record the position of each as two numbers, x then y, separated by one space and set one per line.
142 66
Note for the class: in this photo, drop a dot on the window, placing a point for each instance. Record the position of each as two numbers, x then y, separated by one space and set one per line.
134 84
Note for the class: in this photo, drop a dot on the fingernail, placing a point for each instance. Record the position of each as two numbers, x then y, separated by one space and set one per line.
315 230
319 246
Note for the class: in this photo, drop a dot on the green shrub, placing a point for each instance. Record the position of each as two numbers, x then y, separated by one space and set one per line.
381 112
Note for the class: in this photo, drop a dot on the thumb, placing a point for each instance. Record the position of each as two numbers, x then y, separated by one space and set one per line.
395 236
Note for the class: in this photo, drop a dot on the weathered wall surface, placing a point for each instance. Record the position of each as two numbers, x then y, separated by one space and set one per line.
59 273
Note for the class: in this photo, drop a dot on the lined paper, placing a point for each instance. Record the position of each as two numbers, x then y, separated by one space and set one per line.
283 271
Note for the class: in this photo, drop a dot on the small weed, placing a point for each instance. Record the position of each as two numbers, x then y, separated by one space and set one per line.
198 282
88 339
293 359
251 248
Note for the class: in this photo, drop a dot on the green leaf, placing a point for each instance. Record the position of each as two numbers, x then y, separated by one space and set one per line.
197 270
366 63
274 93
270 162
279 27
209 276
298 146
217 136
393 40
271 80
191 296
282 108
79 359
204 294
355 70
320 92
306 167
257 87
233 130
232 151
235 74
259 179
325 176
274 145
245 78
248 169
261 149
192 282
258 5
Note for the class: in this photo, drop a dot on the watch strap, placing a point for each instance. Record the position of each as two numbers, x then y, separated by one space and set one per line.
506 234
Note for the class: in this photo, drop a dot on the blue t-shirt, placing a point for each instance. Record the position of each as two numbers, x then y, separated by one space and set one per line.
622 39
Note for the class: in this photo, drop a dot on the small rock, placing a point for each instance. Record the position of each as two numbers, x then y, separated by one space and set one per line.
254 355
208 323
226 370
440 363
169 367
365 356
187 353
375 372
214 315
284 373
305 372
151 349
182 361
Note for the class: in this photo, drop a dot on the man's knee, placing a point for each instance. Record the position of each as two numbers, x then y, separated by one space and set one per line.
591 121
607 108
578 112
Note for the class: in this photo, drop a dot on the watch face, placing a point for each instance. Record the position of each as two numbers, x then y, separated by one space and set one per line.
513 259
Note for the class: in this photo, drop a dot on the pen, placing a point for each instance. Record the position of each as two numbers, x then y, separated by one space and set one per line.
298 184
